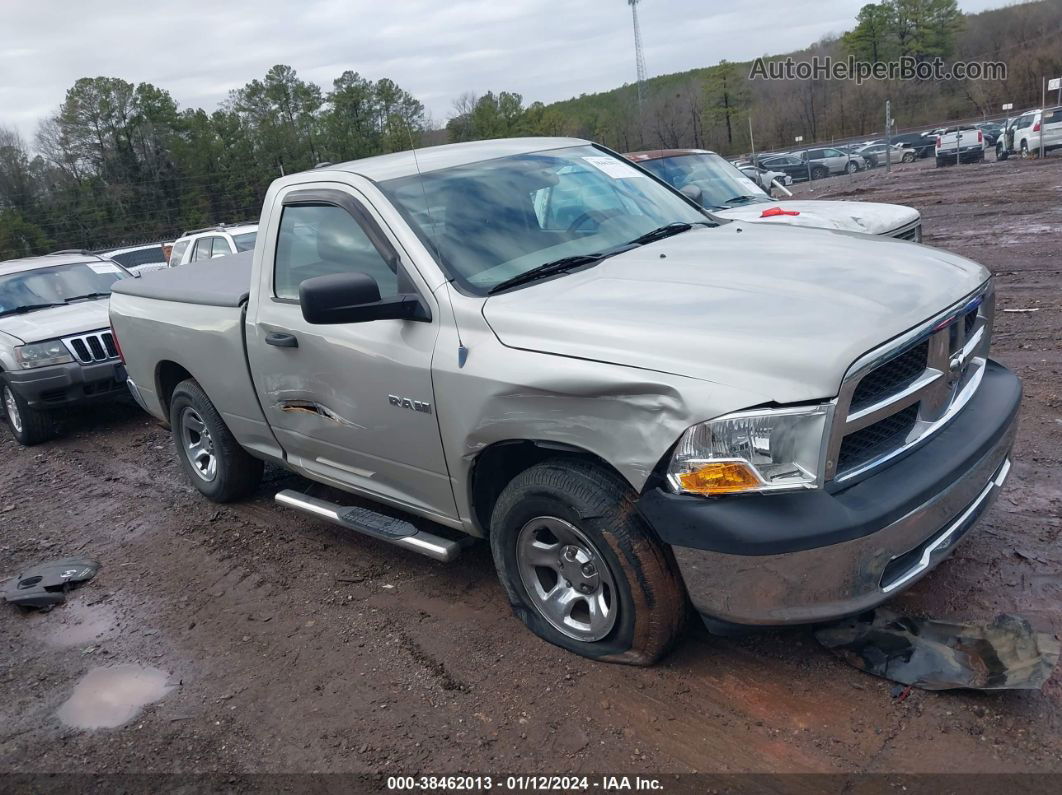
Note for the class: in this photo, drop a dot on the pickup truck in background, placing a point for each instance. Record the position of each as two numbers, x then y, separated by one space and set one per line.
962 144
56 349
641 405
723 189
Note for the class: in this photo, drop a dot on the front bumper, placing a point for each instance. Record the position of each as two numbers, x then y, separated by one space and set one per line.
68 384
794 558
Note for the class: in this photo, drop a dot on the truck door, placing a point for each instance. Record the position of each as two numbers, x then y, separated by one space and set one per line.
350 403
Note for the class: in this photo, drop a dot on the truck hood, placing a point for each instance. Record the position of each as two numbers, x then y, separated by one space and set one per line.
59 321
779 311
871 218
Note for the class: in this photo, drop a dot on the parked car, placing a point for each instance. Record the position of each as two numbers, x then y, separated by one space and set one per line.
922 144
143 258
964 143
790 165
534 342
1004 145
875 154
764 177
1034 123
826 161
991 131
56 350
724 190
213 242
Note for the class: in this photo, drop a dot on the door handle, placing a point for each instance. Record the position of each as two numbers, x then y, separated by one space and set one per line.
282 340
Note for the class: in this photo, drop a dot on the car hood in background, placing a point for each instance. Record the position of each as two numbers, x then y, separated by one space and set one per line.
779 311
59 321
872 218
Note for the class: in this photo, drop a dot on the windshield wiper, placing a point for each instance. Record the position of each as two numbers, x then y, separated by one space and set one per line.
741 200
661 232
21 310
86 296
562 265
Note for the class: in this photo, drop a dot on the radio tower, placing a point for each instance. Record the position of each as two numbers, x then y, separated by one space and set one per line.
638 56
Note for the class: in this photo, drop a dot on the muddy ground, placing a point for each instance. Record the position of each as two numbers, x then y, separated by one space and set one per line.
293 647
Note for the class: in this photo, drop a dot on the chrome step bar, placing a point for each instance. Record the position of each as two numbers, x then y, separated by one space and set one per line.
376 525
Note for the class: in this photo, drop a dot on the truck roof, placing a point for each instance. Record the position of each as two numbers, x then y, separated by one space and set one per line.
435 158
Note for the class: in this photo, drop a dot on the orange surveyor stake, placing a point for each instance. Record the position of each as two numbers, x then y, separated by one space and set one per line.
771 212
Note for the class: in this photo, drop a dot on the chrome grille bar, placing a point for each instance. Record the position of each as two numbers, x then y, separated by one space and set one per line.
96 346
958 343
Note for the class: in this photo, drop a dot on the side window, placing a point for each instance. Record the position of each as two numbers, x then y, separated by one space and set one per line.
320 240
221 247
178 252
202 249
834 153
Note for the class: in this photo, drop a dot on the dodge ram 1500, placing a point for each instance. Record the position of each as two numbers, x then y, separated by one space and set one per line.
641 405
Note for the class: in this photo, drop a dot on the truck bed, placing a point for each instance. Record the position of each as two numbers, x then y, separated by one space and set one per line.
225 281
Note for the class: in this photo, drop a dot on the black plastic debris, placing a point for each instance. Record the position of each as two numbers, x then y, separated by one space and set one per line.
1005 654
45 585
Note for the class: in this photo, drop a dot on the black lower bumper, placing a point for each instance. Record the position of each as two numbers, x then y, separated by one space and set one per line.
814 555
68 384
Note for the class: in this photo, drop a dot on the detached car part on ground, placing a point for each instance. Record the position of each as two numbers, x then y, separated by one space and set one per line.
640 405
721 188
56 347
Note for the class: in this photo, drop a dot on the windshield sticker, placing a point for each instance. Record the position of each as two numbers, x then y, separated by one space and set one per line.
616 169
103 267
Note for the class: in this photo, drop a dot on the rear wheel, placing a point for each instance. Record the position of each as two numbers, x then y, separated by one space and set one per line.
216 464
940 162
581 568
819 172
28 425
908 157
851 167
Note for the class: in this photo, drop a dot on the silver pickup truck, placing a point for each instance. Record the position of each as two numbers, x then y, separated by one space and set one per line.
642 406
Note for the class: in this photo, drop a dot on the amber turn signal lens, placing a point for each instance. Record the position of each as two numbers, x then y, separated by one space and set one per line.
719 477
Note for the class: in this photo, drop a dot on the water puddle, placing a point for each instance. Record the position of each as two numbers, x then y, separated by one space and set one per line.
112 696
79 624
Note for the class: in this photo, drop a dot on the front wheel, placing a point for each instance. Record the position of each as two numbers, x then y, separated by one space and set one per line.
1025 153
582 569
819 172
851 167
213 459
908 157
28 425
1001 153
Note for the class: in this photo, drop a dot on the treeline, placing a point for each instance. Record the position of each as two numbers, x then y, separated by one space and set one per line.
120 163
712 107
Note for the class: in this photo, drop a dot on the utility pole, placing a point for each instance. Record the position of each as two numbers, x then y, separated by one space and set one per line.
639 57
752 142
1043 116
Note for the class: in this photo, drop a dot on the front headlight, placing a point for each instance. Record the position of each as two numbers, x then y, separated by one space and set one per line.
42 354
759 450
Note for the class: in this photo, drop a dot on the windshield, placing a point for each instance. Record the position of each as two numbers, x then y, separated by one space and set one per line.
490 221
58 284
721 184
244 242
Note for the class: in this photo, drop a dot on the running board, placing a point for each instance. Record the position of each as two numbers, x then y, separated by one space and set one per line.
377 525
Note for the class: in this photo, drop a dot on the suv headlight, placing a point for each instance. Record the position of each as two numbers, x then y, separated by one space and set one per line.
759 450
42 354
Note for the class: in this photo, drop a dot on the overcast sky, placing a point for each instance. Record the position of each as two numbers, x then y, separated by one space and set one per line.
545 49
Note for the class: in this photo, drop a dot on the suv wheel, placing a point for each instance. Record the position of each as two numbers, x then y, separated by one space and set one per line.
851 167
28 425
581 568
819 172
216 464
1001 153
1025 153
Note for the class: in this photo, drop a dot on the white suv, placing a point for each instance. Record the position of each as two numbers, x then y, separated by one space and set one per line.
213 242
1031 124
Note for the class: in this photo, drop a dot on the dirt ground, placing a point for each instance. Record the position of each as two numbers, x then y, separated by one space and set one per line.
294 647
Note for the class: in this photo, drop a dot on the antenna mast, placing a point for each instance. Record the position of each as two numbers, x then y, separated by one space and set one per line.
639 57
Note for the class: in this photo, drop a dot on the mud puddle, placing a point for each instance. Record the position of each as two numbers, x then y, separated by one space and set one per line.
79 624
111 696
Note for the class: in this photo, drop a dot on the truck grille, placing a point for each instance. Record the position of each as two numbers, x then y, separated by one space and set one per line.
96 346
895 397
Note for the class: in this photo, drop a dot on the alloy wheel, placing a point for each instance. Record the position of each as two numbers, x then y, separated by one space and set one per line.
198 444
11 407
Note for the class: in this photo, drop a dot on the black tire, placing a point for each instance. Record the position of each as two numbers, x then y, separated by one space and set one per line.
908 157
1001 152
236 474
940 162
1024 149
819 172
29 426
648 594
